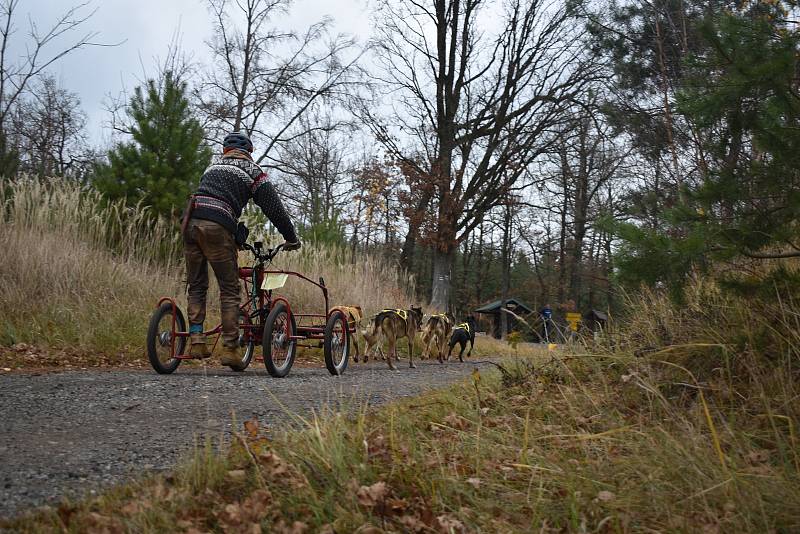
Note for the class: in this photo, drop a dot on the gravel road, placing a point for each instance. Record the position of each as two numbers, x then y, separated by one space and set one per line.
72 433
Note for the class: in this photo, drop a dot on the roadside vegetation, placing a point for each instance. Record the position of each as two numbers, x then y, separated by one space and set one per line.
695 433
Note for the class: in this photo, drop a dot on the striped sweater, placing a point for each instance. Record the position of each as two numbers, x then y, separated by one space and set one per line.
228 184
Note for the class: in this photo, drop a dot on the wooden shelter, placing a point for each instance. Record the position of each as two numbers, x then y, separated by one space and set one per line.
492 309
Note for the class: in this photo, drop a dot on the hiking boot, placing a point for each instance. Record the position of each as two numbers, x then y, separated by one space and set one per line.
198 347
231 356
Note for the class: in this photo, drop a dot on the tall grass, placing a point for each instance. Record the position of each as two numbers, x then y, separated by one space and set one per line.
68 210
81 273
77 272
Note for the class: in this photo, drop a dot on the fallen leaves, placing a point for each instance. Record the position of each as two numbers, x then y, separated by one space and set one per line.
24 356
413 523
283 527
447 524
101 524
246 516
273 465
455 421
378 447
131 508
758 456
371 496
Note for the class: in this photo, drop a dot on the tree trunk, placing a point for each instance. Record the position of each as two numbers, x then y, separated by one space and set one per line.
441 282
505 270
480 267
407 252
576 275
562 249
410 242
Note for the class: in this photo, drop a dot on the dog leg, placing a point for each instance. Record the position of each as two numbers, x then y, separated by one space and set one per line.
461 354
411 352
392 351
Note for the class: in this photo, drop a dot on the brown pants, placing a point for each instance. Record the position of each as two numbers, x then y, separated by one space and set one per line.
208 242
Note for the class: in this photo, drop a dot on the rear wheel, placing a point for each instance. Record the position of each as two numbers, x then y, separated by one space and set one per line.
160 338
279 349
337 343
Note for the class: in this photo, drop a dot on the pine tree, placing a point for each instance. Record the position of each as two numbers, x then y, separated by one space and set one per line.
742 96
162 163
745 93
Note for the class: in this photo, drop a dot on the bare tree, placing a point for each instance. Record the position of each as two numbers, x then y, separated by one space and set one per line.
43 47
480 107
375 208
48 127
587 159
252 86
315 170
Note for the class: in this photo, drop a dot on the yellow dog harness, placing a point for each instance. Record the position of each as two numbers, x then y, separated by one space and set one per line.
464 326
403 314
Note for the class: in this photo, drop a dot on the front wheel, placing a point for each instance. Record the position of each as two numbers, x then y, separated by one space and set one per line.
278 346
337 343
162 343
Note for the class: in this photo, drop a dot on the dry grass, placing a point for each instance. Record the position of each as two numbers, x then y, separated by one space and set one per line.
372 282
80 276
62 284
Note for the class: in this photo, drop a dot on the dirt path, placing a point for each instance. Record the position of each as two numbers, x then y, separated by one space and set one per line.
69 434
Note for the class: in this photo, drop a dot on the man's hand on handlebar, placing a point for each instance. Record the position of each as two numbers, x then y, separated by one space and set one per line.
291 246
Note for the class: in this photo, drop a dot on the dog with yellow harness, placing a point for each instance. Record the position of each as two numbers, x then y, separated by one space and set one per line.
434 335
462 334
394 324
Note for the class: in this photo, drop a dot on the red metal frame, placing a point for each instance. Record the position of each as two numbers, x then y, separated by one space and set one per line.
265 303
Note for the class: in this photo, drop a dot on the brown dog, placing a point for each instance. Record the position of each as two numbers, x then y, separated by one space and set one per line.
372 340
434 335
396 324
354 316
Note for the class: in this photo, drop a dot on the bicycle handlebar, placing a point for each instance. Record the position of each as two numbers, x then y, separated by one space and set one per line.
265 256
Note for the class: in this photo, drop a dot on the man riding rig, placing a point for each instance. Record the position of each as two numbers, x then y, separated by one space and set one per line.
209 229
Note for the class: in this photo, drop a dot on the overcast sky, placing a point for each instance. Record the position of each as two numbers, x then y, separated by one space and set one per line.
145 28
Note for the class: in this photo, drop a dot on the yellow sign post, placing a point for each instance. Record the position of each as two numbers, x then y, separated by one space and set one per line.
574 320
